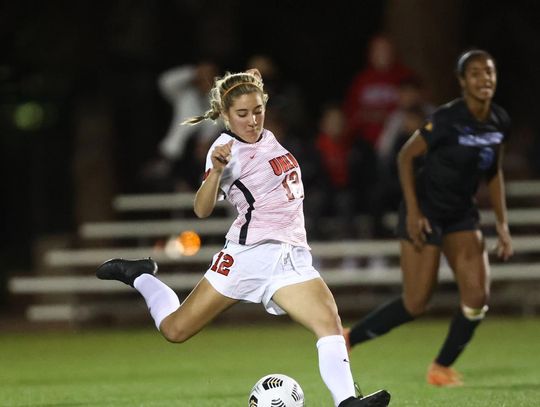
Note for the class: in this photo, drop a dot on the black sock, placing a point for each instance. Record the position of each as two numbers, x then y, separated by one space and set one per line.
380 321
459 334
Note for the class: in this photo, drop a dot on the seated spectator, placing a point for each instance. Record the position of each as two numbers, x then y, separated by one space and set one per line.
332 197
333 146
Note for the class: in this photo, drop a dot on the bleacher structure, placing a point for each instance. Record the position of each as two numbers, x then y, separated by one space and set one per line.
361 273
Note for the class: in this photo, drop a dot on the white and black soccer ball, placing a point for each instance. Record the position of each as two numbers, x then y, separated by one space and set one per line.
276 390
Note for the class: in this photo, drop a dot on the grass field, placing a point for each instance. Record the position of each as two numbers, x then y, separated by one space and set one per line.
218 367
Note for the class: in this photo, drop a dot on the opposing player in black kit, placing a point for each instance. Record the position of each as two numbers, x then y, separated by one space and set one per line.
461 145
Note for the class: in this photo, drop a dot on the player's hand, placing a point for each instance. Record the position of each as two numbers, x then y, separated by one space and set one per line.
417 228
222 155
504 247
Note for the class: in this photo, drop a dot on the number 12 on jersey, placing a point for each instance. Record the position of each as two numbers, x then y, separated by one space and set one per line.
222 264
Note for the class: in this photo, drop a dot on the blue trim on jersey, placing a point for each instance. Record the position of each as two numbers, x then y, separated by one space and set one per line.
250 200
482 139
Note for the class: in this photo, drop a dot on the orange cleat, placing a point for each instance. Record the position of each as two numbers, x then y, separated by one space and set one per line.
346 334
442 376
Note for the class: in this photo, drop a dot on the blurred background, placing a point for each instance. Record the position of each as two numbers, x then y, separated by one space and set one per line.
95 164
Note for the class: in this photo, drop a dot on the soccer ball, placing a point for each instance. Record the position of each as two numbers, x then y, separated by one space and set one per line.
276 390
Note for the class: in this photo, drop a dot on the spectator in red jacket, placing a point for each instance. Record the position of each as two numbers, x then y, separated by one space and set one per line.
373 93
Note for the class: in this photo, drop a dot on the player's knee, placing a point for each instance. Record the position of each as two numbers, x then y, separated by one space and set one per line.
174 333
328 324
475 299
474 314
416 306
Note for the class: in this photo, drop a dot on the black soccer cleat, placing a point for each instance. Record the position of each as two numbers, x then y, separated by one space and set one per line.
126 271
380 398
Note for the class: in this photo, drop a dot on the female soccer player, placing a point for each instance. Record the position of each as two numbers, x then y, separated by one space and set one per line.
266 258
461 144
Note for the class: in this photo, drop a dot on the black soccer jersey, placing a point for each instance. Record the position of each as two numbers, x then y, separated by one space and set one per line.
461 151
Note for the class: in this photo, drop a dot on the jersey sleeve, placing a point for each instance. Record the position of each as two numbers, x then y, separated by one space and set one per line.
433 129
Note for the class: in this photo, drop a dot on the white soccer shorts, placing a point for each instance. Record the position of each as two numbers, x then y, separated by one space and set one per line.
254 273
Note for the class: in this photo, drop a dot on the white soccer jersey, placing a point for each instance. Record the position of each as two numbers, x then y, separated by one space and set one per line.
263 181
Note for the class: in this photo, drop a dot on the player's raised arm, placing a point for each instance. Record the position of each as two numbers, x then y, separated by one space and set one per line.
206 197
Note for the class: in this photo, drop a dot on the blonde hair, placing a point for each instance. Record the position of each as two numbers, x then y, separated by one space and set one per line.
225 90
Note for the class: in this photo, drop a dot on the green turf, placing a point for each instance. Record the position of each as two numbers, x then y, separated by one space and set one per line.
219 366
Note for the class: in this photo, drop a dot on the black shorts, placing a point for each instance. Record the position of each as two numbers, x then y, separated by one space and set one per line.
440 226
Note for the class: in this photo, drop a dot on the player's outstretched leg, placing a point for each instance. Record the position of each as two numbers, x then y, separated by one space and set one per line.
160 299
380 398
126 271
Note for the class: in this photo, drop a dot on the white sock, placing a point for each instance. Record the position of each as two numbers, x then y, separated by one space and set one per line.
335 368
160 299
